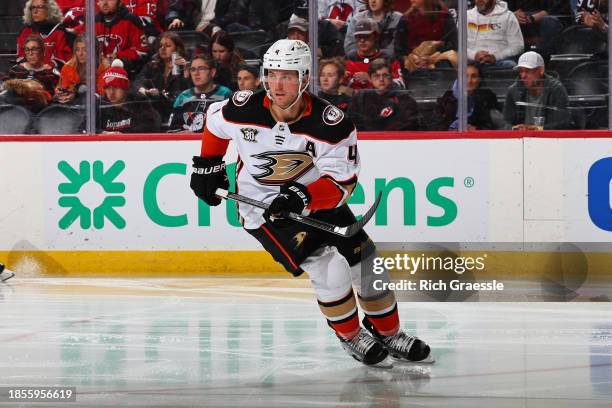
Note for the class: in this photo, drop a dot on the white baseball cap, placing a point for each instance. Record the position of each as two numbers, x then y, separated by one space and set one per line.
530 60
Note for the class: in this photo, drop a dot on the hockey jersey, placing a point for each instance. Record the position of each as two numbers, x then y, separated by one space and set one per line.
74 15
146 10
123 36
57 48
322 143
190 108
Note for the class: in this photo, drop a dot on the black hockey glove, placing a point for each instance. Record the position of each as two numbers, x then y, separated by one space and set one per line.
293 197
208 175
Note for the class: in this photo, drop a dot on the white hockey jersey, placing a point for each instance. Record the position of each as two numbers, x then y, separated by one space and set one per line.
322 143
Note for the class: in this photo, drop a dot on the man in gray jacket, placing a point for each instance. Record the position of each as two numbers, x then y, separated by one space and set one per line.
536 101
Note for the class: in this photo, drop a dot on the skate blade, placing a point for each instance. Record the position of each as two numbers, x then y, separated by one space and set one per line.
6 275
428 360
385 364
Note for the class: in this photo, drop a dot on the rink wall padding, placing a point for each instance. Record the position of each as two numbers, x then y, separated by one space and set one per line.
120 205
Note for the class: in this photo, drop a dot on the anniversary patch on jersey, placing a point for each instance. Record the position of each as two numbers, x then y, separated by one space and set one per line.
282 166
240 98
249 134
332 115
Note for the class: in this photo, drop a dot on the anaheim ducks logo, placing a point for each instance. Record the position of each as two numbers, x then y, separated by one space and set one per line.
283 166
299 238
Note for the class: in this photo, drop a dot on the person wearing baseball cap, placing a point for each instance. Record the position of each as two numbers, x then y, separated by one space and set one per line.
536 100
367 35
121 112
297 28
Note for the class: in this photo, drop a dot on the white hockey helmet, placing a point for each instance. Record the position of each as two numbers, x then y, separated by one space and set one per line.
288 55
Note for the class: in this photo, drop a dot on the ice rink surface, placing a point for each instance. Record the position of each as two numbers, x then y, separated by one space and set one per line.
264 343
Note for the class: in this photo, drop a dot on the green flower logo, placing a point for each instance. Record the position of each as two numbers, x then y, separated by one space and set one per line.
77 179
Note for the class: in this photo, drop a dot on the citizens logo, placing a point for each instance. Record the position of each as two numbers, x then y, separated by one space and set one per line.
600 187
91 193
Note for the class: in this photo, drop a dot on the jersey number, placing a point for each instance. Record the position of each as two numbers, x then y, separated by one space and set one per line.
352 153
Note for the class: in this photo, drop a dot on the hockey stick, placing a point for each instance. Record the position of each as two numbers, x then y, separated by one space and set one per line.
347 231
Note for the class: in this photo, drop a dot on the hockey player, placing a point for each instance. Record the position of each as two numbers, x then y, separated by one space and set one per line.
5 274
299 154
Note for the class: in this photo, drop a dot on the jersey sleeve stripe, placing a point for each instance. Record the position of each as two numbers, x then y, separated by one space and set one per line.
213 145
325 194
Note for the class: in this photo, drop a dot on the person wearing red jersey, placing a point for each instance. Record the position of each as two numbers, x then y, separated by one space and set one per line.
298 153
147 11
44 18
356 67
120 35
74 15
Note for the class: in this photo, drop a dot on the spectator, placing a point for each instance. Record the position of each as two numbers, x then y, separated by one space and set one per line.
27 93
390 26
163 79
366 33
338 12
331 72
248 78
34 66
383 108
72 85
541 21
593 14
190 106
431 36
182 14
330 42
146 11
120 112
74 15
494 35
44 18
480 102
536 100
228 59
120 35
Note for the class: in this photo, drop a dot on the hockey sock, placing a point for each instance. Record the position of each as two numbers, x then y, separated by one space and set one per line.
382 313
342 315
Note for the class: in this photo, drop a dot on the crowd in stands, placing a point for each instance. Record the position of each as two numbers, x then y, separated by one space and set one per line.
389 65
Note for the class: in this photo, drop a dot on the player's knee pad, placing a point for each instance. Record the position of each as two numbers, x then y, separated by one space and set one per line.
329 273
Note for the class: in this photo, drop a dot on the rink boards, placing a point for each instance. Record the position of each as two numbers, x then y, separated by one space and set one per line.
80 205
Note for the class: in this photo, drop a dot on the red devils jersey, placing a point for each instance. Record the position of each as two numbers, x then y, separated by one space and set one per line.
74 14
122 36
321 144
57 48
361 64
146 10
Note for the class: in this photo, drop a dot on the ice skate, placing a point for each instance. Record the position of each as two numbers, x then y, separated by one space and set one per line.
365 348
5 274
401 346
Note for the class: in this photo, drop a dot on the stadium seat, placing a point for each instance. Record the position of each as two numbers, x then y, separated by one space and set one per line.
8 43
194 40
587 87
60 120
579 39
11 24
250 40
14 120
7 61
429 84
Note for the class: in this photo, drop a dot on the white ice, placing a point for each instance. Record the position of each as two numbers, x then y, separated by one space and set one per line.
263 342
